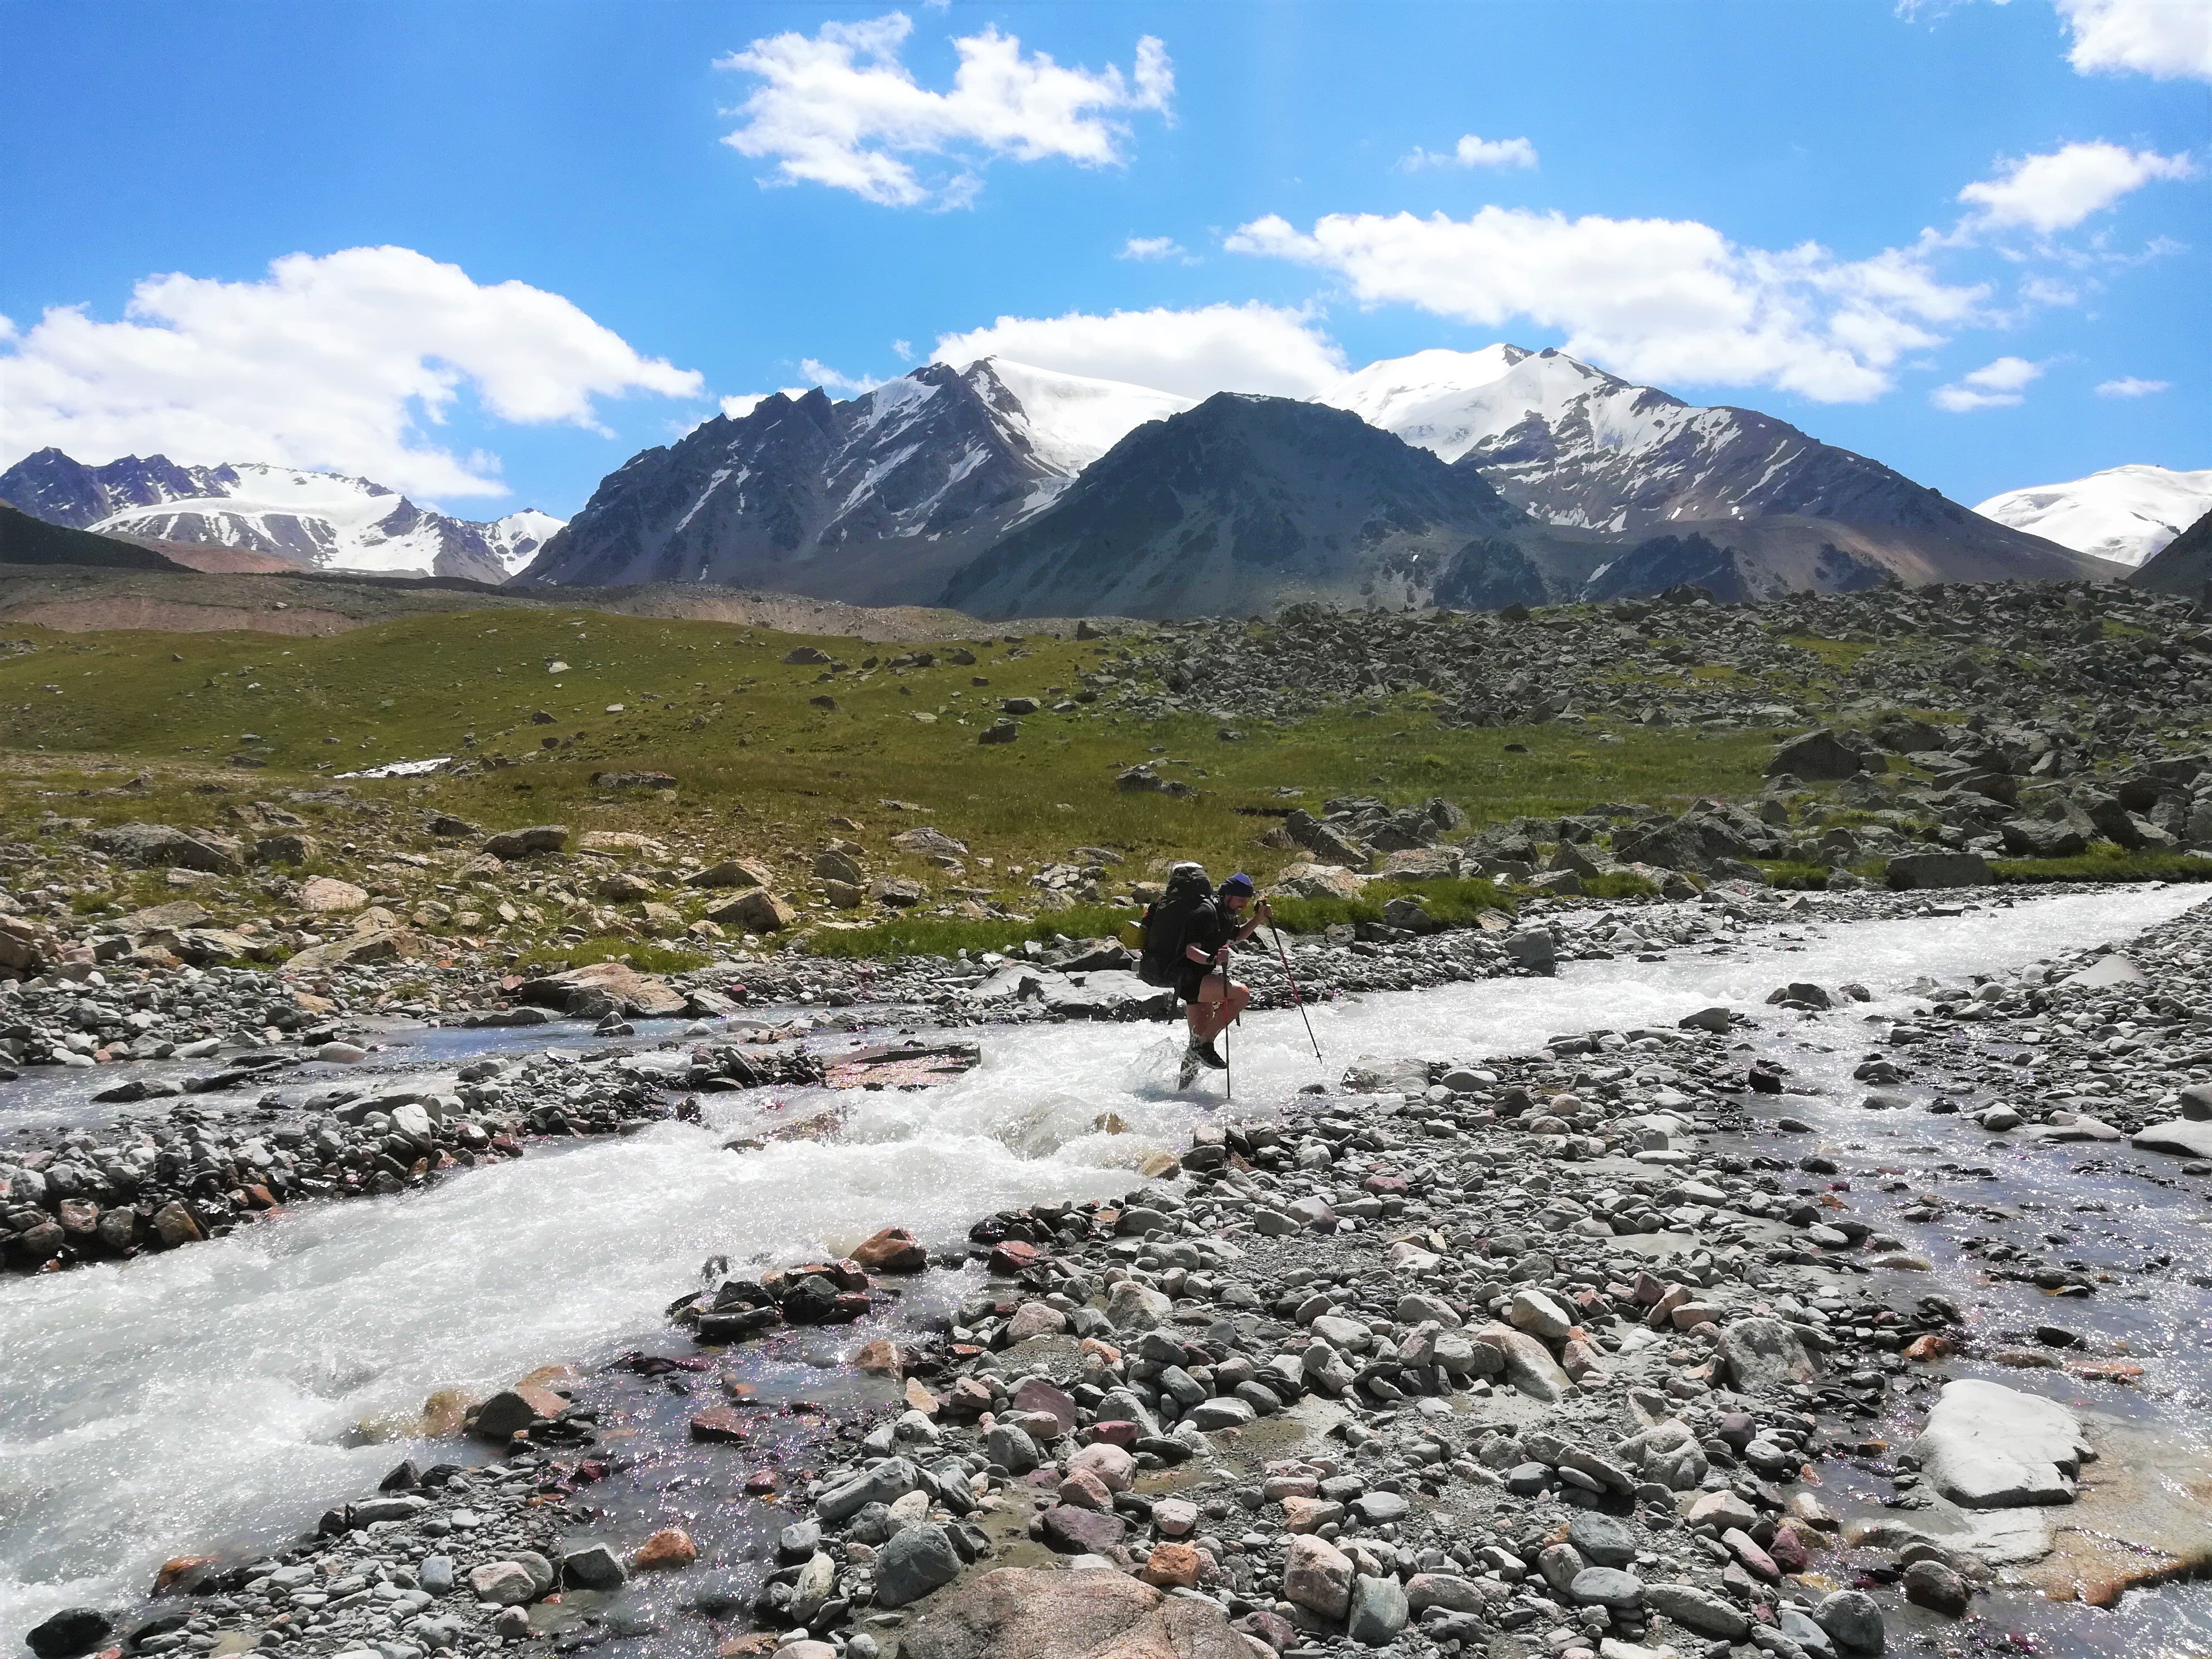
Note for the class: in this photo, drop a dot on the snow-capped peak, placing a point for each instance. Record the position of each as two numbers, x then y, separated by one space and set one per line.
2124 513
1071 420
516 537
1452 402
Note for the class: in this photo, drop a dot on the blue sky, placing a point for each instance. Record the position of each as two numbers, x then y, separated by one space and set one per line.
1756 203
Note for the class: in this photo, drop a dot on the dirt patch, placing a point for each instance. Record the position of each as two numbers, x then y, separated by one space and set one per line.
230 591
143 612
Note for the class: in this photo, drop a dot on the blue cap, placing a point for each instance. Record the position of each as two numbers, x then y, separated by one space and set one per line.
1239 883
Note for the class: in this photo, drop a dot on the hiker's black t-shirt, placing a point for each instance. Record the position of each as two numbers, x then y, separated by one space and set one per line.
1209 928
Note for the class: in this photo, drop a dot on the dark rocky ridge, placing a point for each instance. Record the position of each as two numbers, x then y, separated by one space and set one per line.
2182 566
27 540
1247 502
874 501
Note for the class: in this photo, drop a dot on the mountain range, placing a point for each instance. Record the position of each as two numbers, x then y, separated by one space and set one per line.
1474 479
294 520
1465 478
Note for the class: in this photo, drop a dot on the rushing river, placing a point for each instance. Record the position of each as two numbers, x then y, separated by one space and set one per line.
209 1396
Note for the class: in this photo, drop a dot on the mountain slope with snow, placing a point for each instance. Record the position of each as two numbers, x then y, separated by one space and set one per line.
876 500
313 520
2124 513
1576 446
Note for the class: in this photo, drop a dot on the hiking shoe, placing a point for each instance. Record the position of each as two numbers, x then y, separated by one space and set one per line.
1206 1055
1189 1073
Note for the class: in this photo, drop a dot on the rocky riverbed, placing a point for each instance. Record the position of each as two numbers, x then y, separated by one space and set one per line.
1615 1339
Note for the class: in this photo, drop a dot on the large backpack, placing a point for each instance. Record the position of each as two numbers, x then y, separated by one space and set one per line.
1167 924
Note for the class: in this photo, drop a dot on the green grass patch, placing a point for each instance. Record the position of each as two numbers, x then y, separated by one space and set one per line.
942 936
1619 884
1459 901
585 953
1794 878
2107 862
760 770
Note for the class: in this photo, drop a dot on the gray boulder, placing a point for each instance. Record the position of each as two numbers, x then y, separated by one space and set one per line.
1990 1447
1852 1620
1820 755
916 1560
1697 1610
1379 1611
163 846
888 1481
594 1567
1765 1354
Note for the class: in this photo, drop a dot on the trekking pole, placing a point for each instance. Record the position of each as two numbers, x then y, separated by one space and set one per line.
1228 1078
1284 956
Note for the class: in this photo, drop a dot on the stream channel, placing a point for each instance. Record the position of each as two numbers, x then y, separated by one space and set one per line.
211 1396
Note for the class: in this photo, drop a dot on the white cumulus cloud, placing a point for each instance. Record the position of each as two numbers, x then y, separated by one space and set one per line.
2164 39
1660 300
1994 386
2129 385
2057 192
1150 248
1474 152
1195 353
839 108
336 362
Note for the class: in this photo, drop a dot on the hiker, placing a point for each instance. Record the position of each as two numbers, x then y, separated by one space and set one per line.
1187 936
1213 1000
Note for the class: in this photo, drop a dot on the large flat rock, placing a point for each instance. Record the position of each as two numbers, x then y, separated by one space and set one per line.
1016 1613
2183 1137
1990 1447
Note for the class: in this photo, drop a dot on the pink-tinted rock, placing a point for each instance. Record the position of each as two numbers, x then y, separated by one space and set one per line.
1082 1532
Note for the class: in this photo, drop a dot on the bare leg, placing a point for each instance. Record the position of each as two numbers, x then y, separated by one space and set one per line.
1217 1006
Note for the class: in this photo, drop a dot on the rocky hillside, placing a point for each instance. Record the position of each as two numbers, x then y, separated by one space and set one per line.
308 520
874 501
1249 502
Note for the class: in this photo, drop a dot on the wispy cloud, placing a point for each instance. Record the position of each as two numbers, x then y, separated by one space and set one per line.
1152 247
1474 152
2130 387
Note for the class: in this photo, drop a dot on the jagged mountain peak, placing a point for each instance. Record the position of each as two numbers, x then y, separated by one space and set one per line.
875 499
